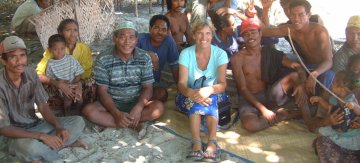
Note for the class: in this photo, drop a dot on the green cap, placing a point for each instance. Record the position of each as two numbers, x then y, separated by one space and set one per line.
125 25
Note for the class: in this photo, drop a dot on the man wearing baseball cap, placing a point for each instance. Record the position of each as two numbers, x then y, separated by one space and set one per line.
254 68
124 77
31 138
351 46
249 24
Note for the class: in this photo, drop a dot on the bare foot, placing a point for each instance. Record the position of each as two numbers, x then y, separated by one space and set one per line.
79 143
142 128
282 114
98 128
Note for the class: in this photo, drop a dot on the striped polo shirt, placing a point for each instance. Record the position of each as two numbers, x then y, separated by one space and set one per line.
123 79
66 68
17 104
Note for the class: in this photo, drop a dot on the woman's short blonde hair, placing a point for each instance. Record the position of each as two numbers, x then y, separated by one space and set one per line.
198 25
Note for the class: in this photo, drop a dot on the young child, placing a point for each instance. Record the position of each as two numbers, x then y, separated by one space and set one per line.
64 67
349 140
341 87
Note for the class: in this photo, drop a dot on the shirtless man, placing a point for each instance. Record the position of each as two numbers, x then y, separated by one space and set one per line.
251 82
285 6
314 41
179 23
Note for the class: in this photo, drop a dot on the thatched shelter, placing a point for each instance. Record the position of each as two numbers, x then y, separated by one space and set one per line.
95 17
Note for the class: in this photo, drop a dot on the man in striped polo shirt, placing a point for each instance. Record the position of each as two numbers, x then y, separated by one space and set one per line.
124 78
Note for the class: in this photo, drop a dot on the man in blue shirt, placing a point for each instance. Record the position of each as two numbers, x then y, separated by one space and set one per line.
224 34
162 49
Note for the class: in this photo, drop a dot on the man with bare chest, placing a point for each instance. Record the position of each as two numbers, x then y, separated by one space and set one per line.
179 23
314 43
255 70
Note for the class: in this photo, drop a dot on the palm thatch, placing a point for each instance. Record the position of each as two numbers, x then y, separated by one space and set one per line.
95 17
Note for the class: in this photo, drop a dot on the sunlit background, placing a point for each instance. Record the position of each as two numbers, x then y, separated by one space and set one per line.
335 14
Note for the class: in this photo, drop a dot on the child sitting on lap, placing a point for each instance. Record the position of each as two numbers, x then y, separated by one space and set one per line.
64 67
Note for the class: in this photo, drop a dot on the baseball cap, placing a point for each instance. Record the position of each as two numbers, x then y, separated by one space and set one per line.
125 25
12 43
249 24
354 21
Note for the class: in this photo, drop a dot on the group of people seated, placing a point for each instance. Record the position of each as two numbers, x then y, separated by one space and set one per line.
122 88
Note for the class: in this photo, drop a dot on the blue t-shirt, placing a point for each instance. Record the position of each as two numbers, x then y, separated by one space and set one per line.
167 52
198 78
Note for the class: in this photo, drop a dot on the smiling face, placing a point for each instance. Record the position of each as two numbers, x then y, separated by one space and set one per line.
125 41
15 61
252 38
299 17
203 37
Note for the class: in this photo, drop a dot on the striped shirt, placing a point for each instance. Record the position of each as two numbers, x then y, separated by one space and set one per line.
123 79
64 69
81 53
17 104
342 56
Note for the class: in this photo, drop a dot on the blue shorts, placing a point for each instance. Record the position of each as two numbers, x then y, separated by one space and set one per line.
189 107
325 78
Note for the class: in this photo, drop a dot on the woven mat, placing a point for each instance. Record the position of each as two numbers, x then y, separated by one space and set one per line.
288 141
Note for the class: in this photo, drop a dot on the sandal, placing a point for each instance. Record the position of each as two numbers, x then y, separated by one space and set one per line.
209 153
195 155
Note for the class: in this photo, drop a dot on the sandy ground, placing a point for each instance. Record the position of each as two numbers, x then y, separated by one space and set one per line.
123 145
158 145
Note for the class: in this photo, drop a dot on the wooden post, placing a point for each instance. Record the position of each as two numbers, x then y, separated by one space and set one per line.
150 5
136 9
